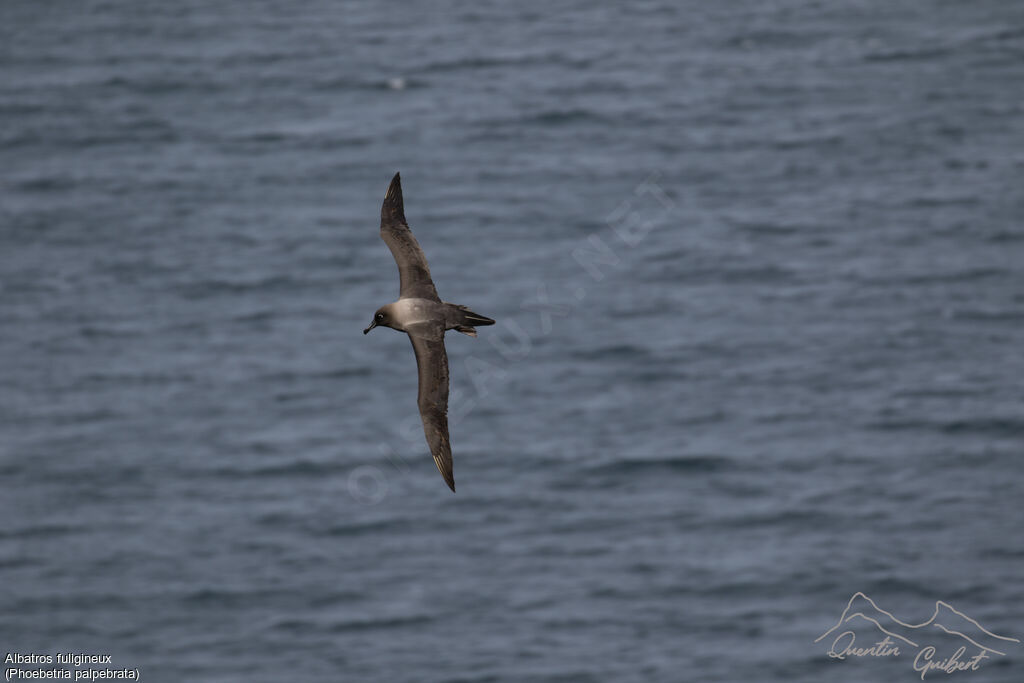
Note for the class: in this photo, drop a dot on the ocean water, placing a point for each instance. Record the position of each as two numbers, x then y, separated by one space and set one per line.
757 272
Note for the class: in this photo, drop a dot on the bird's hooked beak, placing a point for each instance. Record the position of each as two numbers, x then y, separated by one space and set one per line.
372 325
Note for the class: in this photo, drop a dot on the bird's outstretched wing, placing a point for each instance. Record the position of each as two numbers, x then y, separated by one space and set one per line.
432 362
413 271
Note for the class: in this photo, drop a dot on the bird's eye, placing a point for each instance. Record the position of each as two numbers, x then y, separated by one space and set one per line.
380 316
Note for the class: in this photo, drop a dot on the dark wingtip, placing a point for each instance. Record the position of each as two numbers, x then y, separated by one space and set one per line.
445 468
393 207
449 478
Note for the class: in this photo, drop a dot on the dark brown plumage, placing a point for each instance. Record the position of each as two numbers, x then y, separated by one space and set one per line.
420 313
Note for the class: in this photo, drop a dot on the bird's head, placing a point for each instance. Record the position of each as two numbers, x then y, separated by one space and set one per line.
382 318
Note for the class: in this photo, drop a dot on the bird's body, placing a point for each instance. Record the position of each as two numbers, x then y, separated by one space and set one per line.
413 311
420 313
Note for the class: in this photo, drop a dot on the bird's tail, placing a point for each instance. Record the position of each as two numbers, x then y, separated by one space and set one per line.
465 320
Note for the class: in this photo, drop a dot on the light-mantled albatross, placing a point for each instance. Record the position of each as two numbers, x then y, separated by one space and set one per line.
420 313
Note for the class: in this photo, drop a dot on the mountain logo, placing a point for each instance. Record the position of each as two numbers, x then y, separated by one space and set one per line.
933 642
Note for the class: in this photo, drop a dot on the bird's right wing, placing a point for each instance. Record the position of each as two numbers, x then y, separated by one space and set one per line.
432 362
413 271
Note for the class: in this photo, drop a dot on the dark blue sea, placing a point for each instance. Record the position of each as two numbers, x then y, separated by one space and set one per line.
758 272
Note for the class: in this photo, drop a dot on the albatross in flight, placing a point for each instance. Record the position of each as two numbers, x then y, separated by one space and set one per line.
420 313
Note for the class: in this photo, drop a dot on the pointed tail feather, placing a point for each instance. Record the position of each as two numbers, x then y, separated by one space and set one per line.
471 319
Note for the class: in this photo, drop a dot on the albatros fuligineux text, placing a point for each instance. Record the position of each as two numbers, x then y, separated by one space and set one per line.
420 313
